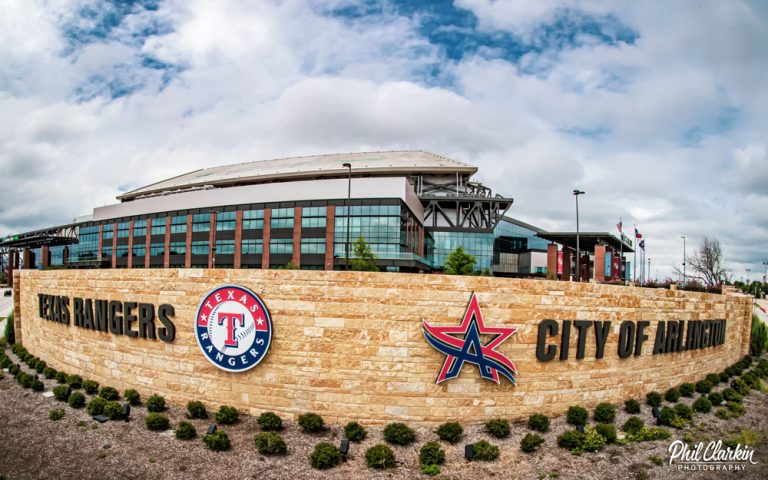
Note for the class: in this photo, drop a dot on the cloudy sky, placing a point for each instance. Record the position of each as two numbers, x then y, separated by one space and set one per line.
658 110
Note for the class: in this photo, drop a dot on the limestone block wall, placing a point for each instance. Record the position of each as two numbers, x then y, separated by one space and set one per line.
349 345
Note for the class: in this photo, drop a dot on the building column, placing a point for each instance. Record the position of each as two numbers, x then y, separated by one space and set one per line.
600 254
148 242
188 249
167 250
27 259
552 260
330 228
296 256
13 258
266 232
129 263
567 266
238 238
212 241
45 253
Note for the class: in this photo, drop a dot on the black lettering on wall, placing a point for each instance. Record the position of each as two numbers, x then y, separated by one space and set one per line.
565 340
88 313
544 352
581 340
146 320
601 336
659 344
101 319
626 338
78 311
115 319
168 332
128 318
641 337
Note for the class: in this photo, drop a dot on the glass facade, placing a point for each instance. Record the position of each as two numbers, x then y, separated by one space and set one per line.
122 229
158 226
177 248
200 247
201 222
108 232
253 219
313 246
225 247
519 238
281 246
139 228
282 218
478 244
179 224
251 247
88 247
380 225
225 221
313 217
156 249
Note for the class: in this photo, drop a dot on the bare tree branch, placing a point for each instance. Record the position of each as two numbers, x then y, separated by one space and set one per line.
706 265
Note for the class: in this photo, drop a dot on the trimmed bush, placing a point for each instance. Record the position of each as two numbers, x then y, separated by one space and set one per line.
450 432
716 398
538 422
702 404
354 432
311 423
109 393
185 431
498 427
155 403
683 411
649 435
570 440
60 392
380 456
270 443
96 406
431 454
593 441
90 387
577 416
399 434
76 400
227 415
605 413
724 377
133 397
430 470
41 366
485 451
196 409
687 389
703 387
61 377
712 378
218 441
607 431
37 385
530 443
633 425
270 422
56 414
653 399
730 395
672 395
113 410
75 381
325 456
157 421
736 408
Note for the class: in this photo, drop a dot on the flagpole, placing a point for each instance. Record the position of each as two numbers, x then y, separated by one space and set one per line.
634 259
621 249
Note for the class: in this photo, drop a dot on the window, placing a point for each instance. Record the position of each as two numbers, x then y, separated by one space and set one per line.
201 222
122 229
156 249
253 219
313 217
282 218
200 247
281 246
121 251
107 232
225 221
140 228
158 226
314 246
225 247
251 247
88 247
106 252
139 250
179 224
177 248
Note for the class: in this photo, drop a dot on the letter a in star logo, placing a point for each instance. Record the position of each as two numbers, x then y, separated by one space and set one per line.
470 349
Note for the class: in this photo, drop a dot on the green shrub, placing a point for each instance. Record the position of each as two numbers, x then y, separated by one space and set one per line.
498 427
737 409
683 411
41 366
37 385
668 417
649 435
686 389
155 403
185 431
431 454
399 434
593 441
49 372
530 443
227 415
75 381
96 406
113 410
270 443
752 380
577 416
270 422
156 421
653 399
485 451
217 441
672 395
90 386
607 431
324 456
56 414
538 422
450 432
133 397
430 470
60 393
712 378
311 423
14 369
724 377
633 425
31 362
109 393
730 395
570 440
716 398
703 387
5 362
354 432
27 381
10 333
76 400
605 413
196 409
380 456
702 404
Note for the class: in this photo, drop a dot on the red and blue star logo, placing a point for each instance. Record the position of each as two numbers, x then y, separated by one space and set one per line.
470 349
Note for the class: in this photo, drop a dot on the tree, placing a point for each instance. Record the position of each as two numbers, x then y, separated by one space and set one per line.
364 259
706 265
459 262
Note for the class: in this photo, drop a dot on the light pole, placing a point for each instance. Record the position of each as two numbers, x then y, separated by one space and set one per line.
684 278
649 268
765 270
748 270
576 194
348 166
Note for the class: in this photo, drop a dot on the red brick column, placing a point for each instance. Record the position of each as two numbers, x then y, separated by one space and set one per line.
149 237
27 259
211 240
238 238
167 250
552 260
188 250
130 246
296 257
567 252
330 228
13 259
265 238
600 263
45 253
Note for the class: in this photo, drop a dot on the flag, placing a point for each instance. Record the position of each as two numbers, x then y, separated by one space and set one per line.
618 225
638 234
641 244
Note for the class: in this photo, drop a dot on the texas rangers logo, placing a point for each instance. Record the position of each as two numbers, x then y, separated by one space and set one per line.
233 328
470 348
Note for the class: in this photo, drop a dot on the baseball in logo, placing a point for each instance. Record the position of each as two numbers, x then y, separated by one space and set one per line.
233 328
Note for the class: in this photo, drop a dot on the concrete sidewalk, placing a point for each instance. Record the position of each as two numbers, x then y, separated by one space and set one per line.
760 313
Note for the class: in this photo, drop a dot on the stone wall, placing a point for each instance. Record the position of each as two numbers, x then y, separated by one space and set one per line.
349 345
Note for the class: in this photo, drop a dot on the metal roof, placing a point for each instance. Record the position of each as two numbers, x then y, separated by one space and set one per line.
587 240
366 163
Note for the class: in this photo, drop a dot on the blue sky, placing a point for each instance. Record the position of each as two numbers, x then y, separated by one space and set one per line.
654 109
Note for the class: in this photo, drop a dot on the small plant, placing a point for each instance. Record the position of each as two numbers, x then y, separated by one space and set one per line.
75 381
431 454
485 451
724 377
593 441
41 366
113 410
56 414
632 406
577 416
741 387
217 441
450 432
683 411
155 403
633 425
702 404
607 431
311 423
76 400
531 442
270 443
538 422
60 393
109 393
185 431
96 406
672 395
653 399
650 434
325 456
61 377
605 413
498 427
133 397
570 440
737 409
716 398
712 378
196 409
37 385
90 387
656 460
270 422
380 456
430 470
687 389
157 421
703 387
354 432
227 415
399 434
